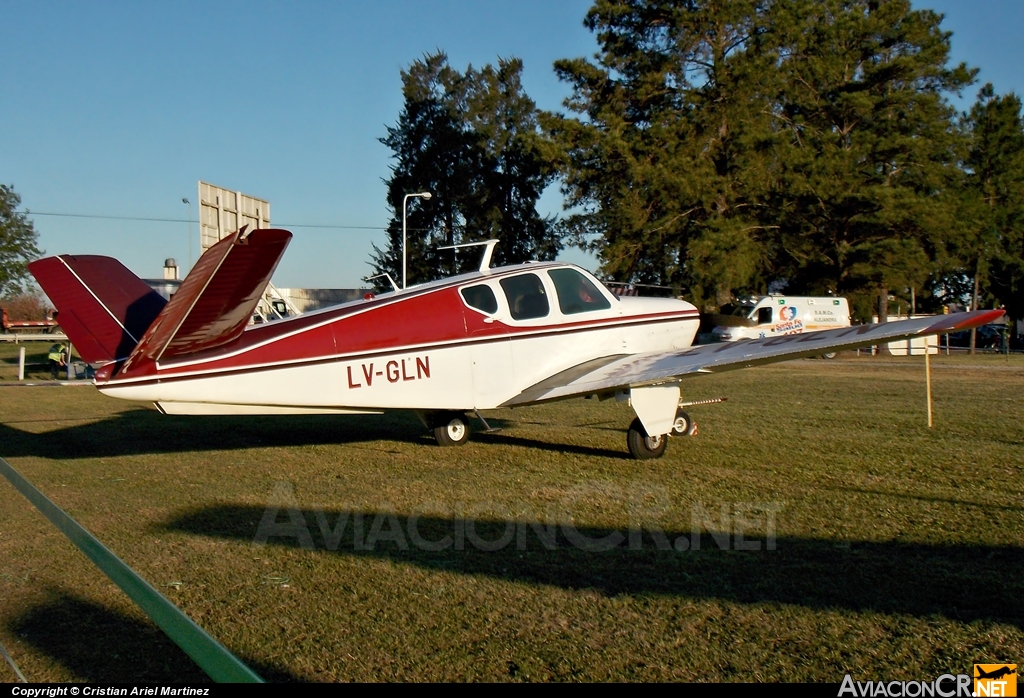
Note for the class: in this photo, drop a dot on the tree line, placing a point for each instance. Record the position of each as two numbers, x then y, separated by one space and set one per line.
725 148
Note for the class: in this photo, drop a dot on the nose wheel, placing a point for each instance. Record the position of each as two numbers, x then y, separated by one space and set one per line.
451 429
684 424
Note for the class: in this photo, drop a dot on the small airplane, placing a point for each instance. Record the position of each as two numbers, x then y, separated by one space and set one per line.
493 338
995 673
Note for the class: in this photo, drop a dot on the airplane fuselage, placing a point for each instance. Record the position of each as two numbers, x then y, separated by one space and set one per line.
470 342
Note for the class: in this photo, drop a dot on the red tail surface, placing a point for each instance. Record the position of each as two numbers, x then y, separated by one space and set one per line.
102 306
216 299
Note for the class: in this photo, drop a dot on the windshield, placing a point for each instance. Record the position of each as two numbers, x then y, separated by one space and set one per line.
576 293
737 309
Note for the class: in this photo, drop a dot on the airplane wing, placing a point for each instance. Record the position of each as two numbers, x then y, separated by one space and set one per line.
639 370
217 298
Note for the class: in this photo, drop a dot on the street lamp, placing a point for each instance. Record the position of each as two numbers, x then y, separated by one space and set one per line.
426 196
189 204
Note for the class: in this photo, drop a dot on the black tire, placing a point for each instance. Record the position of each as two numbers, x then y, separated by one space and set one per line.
642 446
451 429
684 425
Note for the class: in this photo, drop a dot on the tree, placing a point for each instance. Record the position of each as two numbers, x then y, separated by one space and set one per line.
721 145
517 165
867 165
669 158
18 243
473 141
990 248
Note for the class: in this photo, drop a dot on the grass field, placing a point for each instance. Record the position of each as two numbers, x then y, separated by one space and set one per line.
887 550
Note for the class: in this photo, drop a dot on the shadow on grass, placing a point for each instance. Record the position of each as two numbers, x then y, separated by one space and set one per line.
939 500
99 645
960 582
148 432
498 438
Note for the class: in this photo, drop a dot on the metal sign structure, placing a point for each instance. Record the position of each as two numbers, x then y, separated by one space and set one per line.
223 211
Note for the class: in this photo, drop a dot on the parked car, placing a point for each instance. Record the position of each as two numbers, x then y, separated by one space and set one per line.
989 337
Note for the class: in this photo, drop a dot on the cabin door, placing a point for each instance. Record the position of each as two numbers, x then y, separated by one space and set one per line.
493 373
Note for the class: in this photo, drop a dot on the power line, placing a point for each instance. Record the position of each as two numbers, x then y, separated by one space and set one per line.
328 225
186 220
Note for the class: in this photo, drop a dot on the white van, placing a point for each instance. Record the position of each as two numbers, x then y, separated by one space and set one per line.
771 316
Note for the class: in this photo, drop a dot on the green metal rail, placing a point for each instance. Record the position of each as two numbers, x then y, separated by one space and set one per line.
210 655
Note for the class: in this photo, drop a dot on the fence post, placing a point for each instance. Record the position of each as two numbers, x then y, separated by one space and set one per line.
21 364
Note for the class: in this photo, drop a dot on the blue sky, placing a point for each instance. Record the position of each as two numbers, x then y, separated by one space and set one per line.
118 108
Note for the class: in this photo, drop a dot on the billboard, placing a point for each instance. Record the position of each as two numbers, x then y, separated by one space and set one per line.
222 212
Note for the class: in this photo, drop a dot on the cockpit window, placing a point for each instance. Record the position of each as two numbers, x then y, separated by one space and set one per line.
526 297
481 297
577 293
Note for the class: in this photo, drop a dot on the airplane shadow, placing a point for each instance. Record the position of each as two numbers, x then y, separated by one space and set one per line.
144 431
961 582
507 440
100 645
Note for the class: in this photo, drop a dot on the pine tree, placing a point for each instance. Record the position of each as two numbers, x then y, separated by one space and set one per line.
867 181
432 153
472 140
719 145
990 249
668 158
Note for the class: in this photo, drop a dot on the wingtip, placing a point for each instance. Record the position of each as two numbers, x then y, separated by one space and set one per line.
965 321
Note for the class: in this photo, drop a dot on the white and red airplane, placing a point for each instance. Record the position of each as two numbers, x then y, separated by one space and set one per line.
492 338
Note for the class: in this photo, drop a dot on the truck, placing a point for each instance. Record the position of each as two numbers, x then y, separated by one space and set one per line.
47 325
776 315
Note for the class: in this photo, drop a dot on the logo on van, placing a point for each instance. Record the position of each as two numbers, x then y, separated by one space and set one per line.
788 322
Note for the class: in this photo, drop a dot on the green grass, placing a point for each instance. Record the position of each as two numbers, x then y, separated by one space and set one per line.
898 549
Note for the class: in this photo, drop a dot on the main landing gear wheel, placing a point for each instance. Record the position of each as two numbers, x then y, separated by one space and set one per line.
642 446
451 429
684 424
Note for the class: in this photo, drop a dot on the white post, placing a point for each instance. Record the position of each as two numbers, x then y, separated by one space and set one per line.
21 364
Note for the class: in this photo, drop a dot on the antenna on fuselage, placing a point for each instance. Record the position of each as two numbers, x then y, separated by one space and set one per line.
485 263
